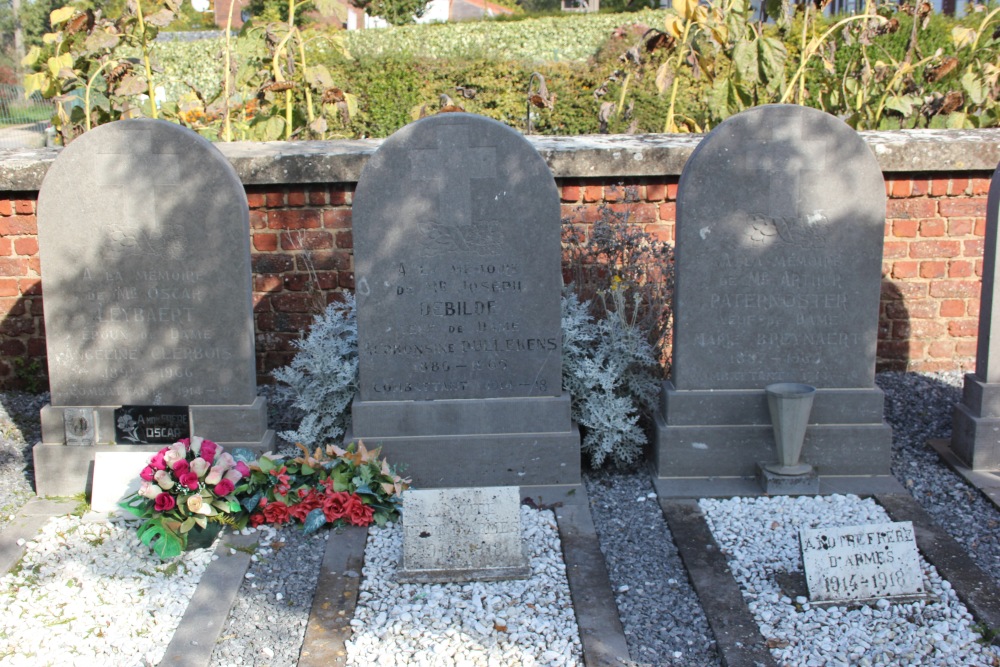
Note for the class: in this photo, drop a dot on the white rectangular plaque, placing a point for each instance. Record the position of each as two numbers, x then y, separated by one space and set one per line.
861 562
468 534
116 475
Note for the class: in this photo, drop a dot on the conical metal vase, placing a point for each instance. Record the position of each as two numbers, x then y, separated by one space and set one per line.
790 404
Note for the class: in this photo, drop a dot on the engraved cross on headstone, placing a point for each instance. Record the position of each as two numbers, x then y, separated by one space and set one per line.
452 166
137 167
784 157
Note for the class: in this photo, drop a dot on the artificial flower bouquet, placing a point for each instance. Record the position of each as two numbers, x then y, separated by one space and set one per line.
335 486
184 487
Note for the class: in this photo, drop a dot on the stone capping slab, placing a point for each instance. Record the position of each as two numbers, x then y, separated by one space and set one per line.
336 596
975 588
737 637
206 613
25 525
587 156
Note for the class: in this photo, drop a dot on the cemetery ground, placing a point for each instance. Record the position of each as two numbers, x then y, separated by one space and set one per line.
654 568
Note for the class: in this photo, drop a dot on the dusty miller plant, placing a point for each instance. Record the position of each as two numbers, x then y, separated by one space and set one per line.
609 368
324 375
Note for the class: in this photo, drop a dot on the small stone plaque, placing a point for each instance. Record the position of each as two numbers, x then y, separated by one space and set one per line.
116 475
151 424
856 563
468 534
81 426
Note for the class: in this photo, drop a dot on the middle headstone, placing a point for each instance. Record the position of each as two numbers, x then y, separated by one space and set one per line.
780 224
458 274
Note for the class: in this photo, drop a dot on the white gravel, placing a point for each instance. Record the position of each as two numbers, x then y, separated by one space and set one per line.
503 624
89 593
760 539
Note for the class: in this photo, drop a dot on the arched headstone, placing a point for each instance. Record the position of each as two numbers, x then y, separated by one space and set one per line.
143 233
780 224
458 273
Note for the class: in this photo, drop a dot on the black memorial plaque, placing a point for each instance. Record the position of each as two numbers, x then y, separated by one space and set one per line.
151 424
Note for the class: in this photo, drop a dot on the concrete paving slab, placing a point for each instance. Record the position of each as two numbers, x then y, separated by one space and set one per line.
601 631
737 638
25 526
206 614
987 481
976 589
329 625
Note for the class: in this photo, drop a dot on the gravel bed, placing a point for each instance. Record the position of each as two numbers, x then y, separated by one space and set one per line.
760 537
663 620
520 623
268 620
86 593
20 429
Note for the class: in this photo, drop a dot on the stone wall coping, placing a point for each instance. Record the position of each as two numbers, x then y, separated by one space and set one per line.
587 156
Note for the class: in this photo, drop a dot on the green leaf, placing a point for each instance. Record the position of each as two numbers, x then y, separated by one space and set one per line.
314 521
771 56
973 85
274 129
188 524
135 504
745 59
318 76
201 520
961 36
266 464
901 103
61 15
99 40
250 504
243 454
59 63
31 57
165 542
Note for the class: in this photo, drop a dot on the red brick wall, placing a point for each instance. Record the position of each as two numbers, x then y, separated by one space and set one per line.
302 257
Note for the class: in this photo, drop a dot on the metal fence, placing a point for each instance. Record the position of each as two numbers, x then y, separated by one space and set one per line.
23 120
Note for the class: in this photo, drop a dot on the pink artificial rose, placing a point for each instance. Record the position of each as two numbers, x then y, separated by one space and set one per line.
224 460
147 474
208 450
200 466
189 480
243 468
233 475
157 462
180 467
164 479
164 502
174 453
147 490
223 488
214 476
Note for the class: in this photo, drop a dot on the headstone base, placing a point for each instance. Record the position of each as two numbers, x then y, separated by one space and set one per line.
474 442
405 576
64 470
775 484
975 432
725 433
231 426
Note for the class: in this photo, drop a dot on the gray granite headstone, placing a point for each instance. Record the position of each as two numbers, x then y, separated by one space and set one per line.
976 432
143 233
469 534
458 274
780 223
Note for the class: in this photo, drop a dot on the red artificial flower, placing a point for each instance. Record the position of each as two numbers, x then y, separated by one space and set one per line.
334 505
147 474
223 488
310 500
189 480
283 486
256 519
243 468
180 467
277 512
164 502
358 513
